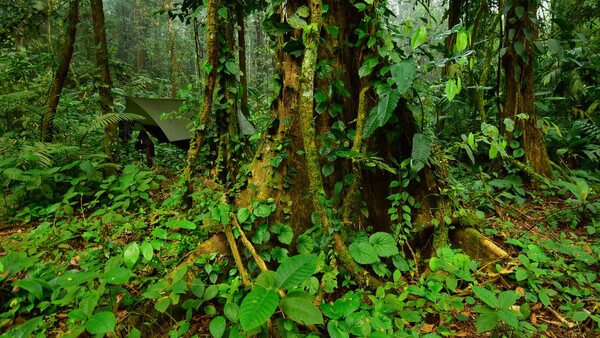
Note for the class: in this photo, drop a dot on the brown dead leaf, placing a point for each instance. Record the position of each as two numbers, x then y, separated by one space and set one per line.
427 328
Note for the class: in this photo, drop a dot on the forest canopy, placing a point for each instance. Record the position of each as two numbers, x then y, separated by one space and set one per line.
404 168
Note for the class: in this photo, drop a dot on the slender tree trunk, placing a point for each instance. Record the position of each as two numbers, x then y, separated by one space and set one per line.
111 140
212 51
61 73
519 103
138 50
239 11
172 53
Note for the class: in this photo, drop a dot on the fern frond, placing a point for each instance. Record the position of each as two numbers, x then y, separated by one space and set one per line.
44 153
114 167
106 120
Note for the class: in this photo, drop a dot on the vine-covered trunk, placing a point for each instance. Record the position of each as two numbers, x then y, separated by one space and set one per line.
61 73
212 61
111 136
519 104
285 165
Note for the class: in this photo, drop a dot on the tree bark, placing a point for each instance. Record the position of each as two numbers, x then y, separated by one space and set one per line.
212 51
239 11
172 53
61 73
111 136
520 34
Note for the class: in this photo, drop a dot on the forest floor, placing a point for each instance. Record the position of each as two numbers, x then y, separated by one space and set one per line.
553 265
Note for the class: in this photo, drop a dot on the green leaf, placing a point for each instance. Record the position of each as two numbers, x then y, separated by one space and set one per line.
147 251
285 233
518 153
182 224
266 279
134 333
462 40
217 326
367 67
519 11
388 101
507 299
363 252
486 296
335 330
298 306
418 38
263 210
101 323
421 151
257 307
162 305
131 255
294 271
403 74
305 244
327 169
117 275
33 286
509 317
384 244
223 13
231 67
231 311
452 89
243 214
486 322
198 287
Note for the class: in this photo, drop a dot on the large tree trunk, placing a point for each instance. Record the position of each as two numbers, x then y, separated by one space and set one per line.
518 60
61 73
111 136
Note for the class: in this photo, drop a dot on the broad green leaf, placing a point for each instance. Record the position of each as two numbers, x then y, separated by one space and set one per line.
243 214
182 224
26 329
367 67
232 311
388 101
294 271
462 40
335 330
509 317
217 326
296 21
421 151
147 251
305 244
285 233
363 252
298 306
452 89
418 38
162 305
403 74
506 299
101 323
263 210
486 322
509 124
257 307
327 169
134 333
384 244
486 296
117 275
198 287
266 279
131 255
231 67
518 153
33 286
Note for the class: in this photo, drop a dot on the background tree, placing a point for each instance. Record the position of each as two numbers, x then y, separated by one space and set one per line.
111 142
61 73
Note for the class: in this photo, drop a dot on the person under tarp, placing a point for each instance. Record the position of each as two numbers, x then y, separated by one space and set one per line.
145 144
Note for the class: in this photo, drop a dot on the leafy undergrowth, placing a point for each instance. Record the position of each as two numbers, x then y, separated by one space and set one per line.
126 261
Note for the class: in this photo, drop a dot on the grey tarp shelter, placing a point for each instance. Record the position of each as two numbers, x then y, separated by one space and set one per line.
176 131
